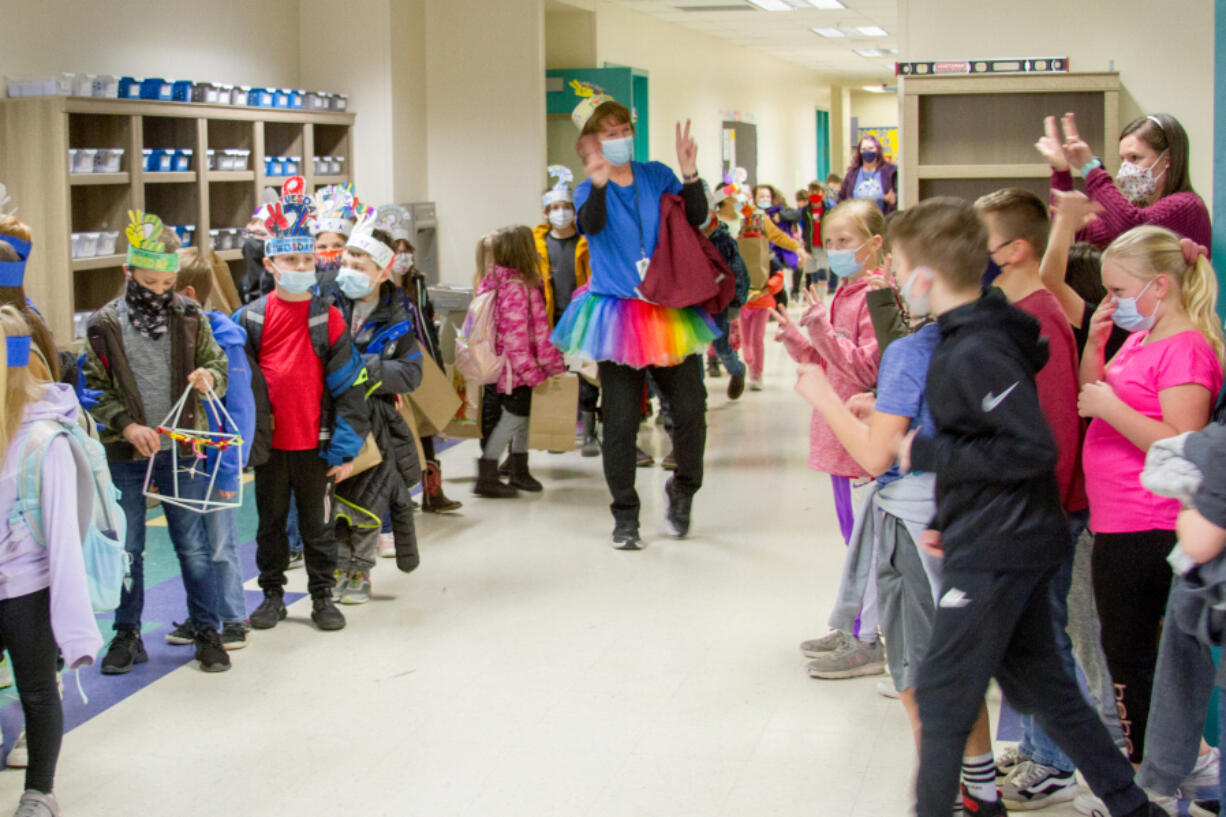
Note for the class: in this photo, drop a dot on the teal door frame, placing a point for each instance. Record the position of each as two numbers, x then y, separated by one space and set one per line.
823 145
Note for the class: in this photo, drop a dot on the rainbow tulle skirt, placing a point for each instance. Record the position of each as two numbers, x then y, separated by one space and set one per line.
630 331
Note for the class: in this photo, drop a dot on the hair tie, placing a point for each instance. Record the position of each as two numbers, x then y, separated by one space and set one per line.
1191 251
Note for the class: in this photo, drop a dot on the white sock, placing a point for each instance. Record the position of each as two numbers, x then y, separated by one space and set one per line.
979 776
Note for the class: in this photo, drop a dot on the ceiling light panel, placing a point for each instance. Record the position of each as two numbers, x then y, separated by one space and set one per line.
771 5
828 32
871 31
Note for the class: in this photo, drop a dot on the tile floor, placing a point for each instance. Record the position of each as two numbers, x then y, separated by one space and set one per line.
529 669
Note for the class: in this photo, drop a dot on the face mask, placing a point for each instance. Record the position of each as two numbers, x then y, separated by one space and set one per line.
354 284
815 199
868 156
403 263
294 281
328 260
147 310
1129 318
1137 183
917 306
618 151
764 205
843 263
562 218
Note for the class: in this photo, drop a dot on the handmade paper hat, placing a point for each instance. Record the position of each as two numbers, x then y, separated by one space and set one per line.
363 237
397 218
288 219
561 189
145 250
12 273
334 210
591 97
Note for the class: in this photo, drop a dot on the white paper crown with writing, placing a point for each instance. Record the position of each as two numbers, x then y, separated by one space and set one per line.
398 217
334 210
591 97
363 238
561 189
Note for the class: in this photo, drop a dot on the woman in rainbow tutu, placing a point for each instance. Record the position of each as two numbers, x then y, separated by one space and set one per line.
619 212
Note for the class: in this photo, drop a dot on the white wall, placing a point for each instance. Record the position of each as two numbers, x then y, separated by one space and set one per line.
696 77
410 154
875 110
1163 51
485 89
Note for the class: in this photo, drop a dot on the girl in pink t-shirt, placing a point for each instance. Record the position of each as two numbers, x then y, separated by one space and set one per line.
1161 383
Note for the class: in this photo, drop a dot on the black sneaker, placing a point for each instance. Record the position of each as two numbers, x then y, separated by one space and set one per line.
972 806
736 386
270 611
210 652
234 635
669 463
126 650
326 616
677 518
181 635
626 536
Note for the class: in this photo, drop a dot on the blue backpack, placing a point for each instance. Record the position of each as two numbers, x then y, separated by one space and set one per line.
102 521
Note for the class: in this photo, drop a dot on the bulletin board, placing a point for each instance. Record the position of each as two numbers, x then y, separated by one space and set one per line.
888 137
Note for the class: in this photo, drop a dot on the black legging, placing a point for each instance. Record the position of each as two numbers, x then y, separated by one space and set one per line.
1131 583
25 626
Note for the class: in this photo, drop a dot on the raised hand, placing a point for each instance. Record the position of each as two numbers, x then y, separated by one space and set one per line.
687 151
1075 207
595 164
1050 146
1076 152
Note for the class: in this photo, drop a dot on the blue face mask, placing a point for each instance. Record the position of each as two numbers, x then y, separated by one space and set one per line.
354 284
843 263
618 151
294 281
1129 318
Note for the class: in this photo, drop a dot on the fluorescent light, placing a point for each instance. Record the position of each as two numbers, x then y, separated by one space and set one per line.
829 5
873 89
870 52
771 5
872 31
828 32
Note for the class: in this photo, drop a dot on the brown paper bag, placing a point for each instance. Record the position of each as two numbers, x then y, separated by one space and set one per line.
435 400
756 253
555 406
410 418
466 424
368 457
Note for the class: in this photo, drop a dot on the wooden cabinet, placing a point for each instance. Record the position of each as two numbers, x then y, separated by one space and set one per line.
37 134
967 136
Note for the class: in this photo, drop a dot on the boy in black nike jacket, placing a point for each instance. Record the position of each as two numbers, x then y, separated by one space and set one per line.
999 522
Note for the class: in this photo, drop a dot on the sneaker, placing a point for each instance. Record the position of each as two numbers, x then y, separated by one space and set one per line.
755 383
181 635
817 647
326 616
19 755
295 559
886 688
1008 761
210 652
234 636
36 804
713 369
851 660
669 463
626 536
1086 803
1159 806
340 580
270 611
126 650
736 386
677 517
387 545
1205 773
1204 808
981 808
6 672
1034 786
358 589
642 459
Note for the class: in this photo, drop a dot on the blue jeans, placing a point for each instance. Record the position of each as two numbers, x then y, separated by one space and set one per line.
222 529
1035 744
187 535
723 346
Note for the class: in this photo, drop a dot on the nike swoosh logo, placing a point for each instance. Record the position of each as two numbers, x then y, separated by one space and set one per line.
991 401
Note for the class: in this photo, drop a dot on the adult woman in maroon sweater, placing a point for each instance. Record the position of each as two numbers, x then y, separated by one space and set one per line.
1152 186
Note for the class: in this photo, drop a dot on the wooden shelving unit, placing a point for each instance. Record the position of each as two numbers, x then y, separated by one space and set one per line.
36 133
966 136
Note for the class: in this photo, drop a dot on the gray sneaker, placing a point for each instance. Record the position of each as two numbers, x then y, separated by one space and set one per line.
1035 786
851 660
19 755
818 647
358 589
36 804
340 581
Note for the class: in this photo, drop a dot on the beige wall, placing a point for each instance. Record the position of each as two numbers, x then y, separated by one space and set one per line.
570 39
1163 51
875 110
410 154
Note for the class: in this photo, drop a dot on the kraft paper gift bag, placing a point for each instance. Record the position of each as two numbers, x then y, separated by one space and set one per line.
555 406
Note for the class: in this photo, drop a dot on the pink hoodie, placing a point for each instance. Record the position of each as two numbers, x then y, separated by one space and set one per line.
26 566
844 343
522 330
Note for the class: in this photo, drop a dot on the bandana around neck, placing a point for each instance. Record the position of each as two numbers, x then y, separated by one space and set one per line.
147 311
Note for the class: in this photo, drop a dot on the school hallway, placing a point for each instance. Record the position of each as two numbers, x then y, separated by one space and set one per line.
527 668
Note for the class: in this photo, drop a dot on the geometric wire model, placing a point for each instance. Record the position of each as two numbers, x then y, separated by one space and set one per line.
223 442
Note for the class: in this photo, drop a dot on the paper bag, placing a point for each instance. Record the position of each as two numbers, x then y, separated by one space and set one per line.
368 457
555 406
466 424
410 418
435 401
756 253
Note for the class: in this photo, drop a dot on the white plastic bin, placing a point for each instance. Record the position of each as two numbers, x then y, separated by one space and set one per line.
76 244
214 237
183 159
109 160
106 242
105 85
89 244
84 160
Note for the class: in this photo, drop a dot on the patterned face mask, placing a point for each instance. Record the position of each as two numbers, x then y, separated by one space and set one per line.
147 310
1137 183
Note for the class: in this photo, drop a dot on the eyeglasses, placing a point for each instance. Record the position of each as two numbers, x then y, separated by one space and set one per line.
1000 246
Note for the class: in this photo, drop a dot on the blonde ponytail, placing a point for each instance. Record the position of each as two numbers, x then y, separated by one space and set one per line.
1147 252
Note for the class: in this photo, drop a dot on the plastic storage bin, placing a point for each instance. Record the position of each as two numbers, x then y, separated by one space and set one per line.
106 242
83 160
318 101
109 160
210 159
156 88
187 234
260 98
83 84
89 244
340 102
105 85
280 98
290 165
240 95
214 237
205 92
181 90
183 159
242 159
76 244
338 165
296 98
129 88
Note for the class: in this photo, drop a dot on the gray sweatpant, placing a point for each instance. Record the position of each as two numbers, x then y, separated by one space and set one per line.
357 549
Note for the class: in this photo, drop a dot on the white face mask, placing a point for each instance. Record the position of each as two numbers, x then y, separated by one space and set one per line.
562 217
917 305
403 263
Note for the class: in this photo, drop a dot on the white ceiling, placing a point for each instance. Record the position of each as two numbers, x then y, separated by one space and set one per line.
786 34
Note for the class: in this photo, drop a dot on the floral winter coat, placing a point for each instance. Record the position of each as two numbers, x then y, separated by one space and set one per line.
522 330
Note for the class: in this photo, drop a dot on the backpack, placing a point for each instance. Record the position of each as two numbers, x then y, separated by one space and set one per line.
476 350
102 521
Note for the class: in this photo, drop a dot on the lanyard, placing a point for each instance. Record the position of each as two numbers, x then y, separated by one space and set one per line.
638 213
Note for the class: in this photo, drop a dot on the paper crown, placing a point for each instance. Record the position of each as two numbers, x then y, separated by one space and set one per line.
288 219
334 210
362 238
145 251
591 97
17 350
12 273
561 189
398 218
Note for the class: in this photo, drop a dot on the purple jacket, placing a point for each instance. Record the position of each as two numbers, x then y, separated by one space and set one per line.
26 566
889 181
522 330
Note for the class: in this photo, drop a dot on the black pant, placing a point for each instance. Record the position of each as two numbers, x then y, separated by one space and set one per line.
683 388
305 473
1000 624
25 626
589 396
798 275
1132 581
